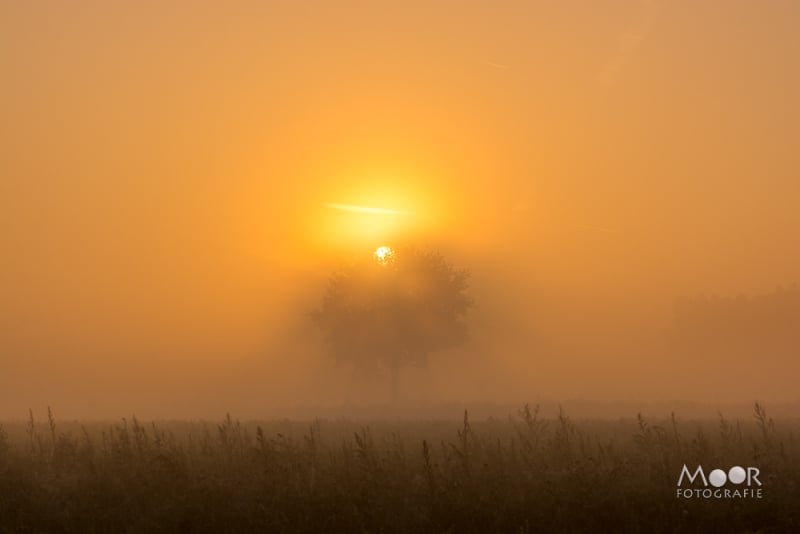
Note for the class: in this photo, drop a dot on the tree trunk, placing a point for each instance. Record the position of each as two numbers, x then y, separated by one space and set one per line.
395 371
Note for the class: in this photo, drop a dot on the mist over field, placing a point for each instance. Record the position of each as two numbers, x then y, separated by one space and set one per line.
399 266
619 179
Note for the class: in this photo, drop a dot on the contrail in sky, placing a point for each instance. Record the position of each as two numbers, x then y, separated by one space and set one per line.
628 43
592 227
497 65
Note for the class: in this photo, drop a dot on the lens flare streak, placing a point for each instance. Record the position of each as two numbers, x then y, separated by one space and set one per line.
365 209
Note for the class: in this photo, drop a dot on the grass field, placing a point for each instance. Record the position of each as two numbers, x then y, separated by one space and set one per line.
523 473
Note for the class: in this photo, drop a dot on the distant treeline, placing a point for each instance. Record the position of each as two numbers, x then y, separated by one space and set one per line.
763 324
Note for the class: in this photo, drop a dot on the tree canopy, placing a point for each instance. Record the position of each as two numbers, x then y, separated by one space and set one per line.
394 310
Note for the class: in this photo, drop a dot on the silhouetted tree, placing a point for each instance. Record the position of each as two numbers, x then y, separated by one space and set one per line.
394 310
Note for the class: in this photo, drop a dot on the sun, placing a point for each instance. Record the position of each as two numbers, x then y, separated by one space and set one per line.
384 255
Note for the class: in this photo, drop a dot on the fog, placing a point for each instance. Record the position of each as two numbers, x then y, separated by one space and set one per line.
619 178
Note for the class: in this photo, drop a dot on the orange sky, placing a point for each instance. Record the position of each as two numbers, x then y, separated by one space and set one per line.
164 170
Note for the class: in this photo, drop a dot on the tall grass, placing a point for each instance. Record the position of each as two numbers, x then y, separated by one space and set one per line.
522 474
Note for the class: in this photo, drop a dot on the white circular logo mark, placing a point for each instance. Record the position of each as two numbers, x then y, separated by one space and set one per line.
717 478
736 475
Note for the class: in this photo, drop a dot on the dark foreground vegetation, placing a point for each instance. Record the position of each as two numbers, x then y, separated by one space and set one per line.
522 474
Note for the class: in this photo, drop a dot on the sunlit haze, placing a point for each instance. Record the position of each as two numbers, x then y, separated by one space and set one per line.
179 181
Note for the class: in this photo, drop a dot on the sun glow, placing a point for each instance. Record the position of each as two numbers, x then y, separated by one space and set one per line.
361 213
384 255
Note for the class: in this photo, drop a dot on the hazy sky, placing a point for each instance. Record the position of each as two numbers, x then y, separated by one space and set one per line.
165 169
